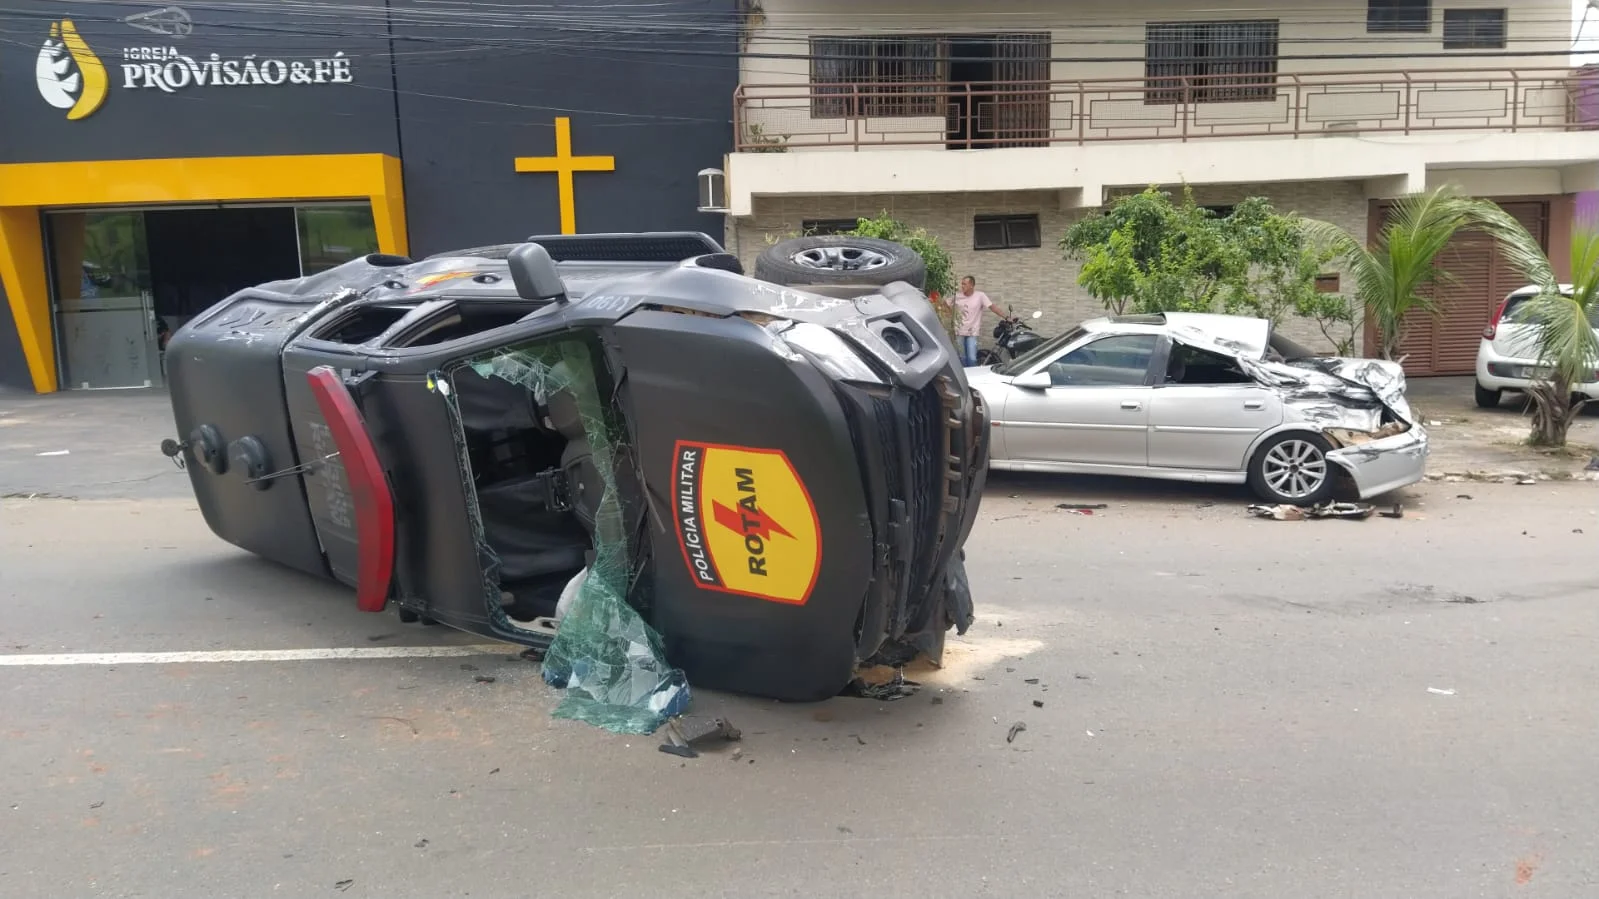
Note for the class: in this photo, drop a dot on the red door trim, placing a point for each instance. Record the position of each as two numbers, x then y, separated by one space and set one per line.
369 487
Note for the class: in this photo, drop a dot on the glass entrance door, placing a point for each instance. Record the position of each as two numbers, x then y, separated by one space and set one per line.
105 310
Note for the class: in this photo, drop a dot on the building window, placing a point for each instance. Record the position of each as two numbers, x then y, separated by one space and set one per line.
1328 283
1474 29
1210 62
1398 16
817 227
1006 232
877 76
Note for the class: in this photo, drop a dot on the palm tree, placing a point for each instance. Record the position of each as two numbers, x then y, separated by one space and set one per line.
1563 324
1391 275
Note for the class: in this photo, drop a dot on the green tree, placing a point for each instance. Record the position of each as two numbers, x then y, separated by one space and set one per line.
1147 253
1392 276
1562 324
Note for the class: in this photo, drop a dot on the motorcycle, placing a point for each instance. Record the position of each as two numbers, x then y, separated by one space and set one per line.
1012 338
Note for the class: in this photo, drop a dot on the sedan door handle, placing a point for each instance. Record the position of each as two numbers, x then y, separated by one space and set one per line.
1130 404
1254 405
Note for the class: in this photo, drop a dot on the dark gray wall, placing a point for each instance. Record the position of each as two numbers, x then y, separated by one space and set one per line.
245 120
477 86
13 365
481 85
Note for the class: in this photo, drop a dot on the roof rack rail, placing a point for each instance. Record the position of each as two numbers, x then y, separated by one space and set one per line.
643 246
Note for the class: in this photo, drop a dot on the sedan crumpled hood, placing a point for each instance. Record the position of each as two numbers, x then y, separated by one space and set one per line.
1327 389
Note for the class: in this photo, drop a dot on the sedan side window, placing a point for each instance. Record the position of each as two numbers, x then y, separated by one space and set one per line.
1119 361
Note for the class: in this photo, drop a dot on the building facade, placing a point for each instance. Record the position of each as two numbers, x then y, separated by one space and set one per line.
997 128
155 159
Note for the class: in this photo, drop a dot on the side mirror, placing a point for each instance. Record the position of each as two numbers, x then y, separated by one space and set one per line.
533 272
1038 380
1038 313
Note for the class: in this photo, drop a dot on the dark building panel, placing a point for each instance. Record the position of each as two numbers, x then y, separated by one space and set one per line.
13 365
202 80
481 86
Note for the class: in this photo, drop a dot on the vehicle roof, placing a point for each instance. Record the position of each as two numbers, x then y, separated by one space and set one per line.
1532 290
1242 334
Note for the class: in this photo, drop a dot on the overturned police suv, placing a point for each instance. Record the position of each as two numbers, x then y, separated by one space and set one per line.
774 474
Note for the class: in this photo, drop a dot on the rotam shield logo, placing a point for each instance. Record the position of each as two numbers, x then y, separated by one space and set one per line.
745 522
69 75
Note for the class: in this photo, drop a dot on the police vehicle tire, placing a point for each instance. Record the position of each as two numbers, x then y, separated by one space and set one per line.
839 259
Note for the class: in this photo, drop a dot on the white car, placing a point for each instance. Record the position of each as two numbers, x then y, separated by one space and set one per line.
1507 355
1202 397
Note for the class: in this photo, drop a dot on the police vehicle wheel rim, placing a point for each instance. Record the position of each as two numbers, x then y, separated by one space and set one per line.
841 258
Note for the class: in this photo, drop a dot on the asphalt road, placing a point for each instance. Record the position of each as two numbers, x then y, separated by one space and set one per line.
1230 706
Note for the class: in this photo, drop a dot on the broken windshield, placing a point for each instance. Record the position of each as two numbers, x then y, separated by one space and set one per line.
1044 350
542 450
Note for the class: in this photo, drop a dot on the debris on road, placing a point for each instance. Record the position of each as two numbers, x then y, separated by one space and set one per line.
683 733
1288 512
484 678
1082 508
1397 512
1038 703
1015 729
55 453
872 684
1440 692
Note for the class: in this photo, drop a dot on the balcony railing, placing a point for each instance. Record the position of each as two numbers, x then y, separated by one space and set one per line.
778 117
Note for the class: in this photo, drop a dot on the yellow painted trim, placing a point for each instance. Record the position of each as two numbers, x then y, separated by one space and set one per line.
563 164
26 188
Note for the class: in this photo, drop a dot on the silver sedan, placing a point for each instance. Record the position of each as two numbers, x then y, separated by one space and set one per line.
1201 397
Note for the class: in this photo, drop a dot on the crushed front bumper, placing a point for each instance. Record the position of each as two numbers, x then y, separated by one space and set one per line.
1378 466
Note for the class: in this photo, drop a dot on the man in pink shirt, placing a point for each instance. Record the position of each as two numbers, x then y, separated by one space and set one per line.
969 304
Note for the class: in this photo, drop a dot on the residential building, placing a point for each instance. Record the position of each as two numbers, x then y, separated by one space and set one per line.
153 160
997 126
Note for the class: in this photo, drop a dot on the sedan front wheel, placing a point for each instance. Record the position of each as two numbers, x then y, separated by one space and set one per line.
1292 469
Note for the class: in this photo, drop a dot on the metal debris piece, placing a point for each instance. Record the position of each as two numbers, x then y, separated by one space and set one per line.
484 678
1015 729
1083 508
896 687
682 733
1286 512
1038 703
1440 692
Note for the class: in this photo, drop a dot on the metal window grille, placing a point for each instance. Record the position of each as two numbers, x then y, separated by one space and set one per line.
1474 29
886 76
1210 62
1398 16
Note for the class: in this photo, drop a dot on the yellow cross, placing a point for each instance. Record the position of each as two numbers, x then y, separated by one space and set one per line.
563 164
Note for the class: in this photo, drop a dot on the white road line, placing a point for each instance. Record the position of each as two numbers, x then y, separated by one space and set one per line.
257 655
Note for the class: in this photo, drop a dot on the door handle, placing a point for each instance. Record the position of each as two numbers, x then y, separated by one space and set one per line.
1254 405
1129 404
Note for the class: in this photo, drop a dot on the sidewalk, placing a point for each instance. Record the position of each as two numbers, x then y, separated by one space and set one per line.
88 445
1491 443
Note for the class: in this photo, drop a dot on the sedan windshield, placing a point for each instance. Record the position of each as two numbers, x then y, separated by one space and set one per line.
1043 351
